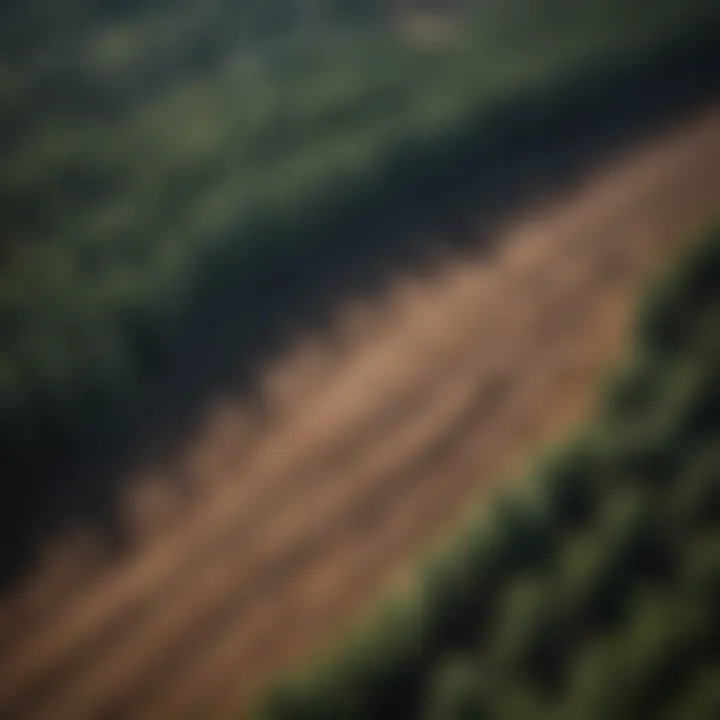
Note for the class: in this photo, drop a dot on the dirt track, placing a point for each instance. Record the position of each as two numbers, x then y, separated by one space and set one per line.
369 440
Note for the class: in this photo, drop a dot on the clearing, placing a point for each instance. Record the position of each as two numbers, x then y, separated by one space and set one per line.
369 439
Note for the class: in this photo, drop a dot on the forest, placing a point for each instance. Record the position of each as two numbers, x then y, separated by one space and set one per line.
185 185
161 161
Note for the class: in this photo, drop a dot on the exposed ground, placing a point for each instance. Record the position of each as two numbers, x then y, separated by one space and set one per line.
368 440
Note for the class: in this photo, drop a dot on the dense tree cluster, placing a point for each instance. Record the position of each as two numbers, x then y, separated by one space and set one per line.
157 155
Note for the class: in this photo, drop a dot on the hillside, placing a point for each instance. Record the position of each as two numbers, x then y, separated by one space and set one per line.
284 286
284 514
160 162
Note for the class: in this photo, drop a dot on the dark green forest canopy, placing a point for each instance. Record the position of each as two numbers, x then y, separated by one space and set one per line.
155 154
589 590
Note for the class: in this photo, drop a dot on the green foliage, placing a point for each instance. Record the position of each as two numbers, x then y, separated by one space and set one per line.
157 157
593 591
700 700
455 693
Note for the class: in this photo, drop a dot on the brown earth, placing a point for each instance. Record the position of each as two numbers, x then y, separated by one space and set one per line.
371 438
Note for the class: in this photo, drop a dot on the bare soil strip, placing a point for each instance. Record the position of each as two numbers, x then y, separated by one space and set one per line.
370 440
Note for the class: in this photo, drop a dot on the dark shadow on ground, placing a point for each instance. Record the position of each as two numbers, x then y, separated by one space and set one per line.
450 203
